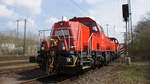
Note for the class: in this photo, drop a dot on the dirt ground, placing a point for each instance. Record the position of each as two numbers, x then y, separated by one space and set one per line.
111 74
115 73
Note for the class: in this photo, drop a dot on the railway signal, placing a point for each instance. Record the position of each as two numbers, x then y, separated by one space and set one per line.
125 10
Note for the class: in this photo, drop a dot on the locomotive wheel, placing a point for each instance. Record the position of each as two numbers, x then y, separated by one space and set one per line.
106 58
109 57
100 64
93 64
114 56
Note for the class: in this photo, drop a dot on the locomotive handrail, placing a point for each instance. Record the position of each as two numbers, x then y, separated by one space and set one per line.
88 42
81 45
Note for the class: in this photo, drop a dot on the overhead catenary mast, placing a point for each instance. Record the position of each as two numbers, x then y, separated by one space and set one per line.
24 48
130 21
17 36
107 30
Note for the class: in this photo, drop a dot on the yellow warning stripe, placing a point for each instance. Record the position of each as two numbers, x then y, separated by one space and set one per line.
74 64
75 60
51 65
69 65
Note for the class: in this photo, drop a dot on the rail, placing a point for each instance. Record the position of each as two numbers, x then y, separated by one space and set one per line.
32 81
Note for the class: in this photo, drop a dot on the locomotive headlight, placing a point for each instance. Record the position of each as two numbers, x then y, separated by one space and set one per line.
42 48
61 24
63 48
71 46
68 59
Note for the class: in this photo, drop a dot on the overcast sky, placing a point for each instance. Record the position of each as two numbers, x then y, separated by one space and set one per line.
41 14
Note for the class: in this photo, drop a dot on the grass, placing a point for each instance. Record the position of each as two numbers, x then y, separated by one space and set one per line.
138 72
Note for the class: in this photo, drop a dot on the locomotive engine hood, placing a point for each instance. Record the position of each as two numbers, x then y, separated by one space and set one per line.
66 34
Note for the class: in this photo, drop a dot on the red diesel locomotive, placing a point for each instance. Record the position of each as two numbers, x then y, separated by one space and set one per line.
76 44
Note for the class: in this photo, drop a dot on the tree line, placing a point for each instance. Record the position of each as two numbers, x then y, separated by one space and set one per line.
141 42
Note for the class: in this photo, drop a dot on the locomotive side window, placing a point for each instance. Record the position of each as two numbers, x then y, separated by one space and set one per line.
116 41
43 44
94 28
86 23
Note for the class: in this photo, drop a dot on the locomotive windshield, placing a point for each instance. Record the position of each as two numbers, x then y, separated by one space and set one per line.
86 23
94 27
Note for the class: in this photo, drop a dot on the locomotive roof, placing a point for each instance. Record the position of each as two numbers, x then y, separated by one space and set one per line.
113 38
82 19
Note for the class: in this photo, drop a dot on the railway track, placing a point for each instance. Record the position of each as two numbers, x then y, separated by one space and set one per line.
14 64
46 79
32 81
52 79
29 82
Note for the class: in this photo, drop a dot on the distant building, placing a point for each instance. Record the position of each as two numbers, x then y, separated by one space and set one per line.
9 46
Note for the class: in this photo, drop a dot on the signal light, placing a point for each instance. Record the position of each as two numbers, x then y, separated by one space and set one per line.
125 10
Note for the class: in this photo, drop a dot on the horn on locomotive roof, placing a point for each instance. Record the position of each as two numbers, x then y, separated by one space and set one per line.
64 18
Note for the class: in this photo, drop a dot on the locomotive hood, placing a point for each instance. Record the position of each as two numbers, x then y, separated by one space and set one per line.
66 32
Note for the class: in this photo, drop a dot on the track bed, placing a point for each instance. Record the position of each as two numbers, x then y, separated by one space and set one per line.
96 76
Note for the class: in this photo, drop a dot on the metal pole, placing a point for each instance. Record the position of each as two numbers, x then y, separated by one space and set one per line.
107 29
39 36
17 37
130 21
126 38
24 49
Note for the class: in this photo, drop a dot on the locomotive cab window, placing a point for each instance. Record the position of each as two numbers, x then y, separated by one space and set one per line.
43 44
86 23
94 27
116 41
